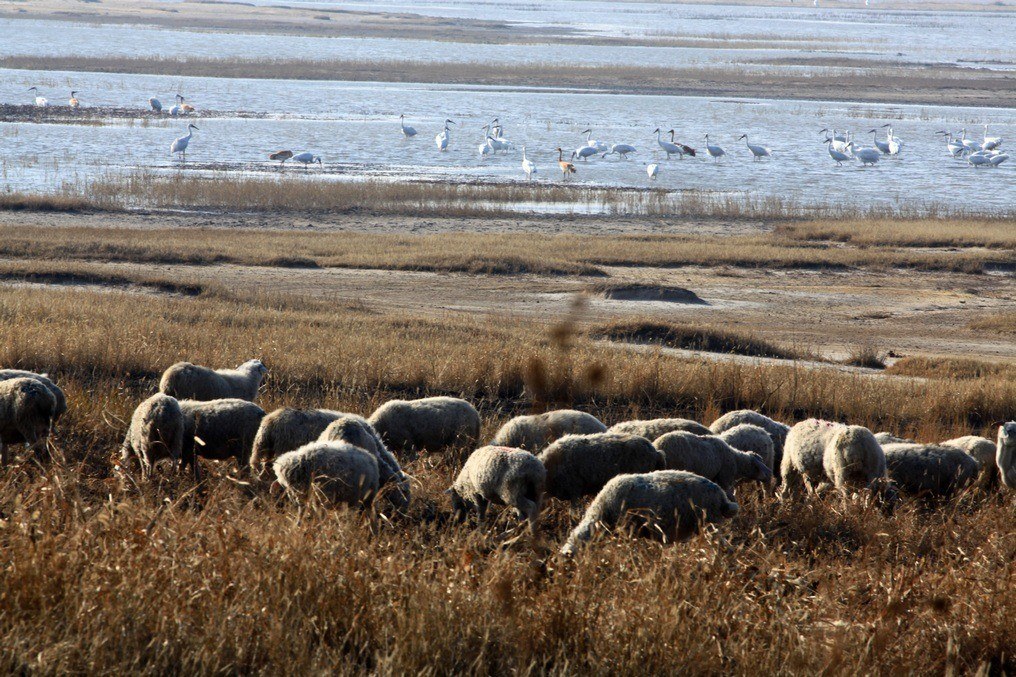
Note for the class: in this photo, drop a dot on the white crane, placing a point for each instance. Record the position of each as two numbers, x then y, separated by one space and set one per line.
758 151
653 170
598 145
621 149
971 145
487 147
307 158
883 146
998 159
954 147
74 103
177 108
528 166
441 140
155 104
715 152
979 159
839 156
584 152
990 142
667 146
866 156
40 101
180 145
837 141
407 131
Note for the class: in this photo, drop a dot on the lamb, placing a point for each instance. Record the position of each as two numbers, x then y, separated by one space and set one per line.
818 453
535 432
224 429
1005 456
983 451
930 470
658 427
502 476
155 433
671 504
748 437
27 410
778 431
344 473
190 381
428 424
357 431
711 458
58 394
579 465
287 429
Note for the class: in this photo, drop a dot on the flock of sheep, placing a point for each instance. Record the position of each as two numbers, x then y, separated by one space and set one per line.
669 475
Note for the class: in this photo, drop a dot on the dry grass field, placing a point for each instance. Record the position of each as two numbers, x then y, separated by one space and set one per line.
105 574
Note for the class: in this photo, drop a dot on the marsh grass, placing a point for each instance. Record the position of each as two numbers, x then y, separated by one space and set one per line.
867 356
672 335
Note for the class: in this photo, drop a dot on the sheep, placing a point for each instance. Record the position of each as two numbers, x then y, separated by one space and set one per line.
819 453
777 430
1005 456
344 473
982 450
748 437
929 470
671 504
27 410
58 394
287 429
155 433
428 424
357 431
193 382
658 427
535 432
884 438
502 476
223 429
711 458
579 465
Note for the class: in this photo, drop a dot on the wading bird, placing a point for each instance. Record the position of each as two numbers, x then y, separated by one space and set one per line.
598 145
954 147
281 156
653 171
307 158
566 166
866 156
715 152
758 151
441 140
74 103
40 101
685 149
155 104
177 108
407 131
668 147
883 146
584 152
621 149
839 156
180 145
990 142
527 165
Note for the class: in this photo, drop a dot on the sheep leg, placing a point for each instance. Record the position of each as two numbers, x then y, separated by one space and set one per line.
481 509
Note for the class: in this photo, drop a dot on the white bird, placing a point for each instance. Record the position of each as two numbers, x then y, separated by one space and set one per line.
998 159
598 145
40 101
441 140
952 145
487 147
177 108
839 156
971 145
653 171
407 131
155 104
307 158
74 103
866 156
180 145
584 152
667 146
979 159
882 146
621 149
527 165
838 141
990 142
715 152
758 151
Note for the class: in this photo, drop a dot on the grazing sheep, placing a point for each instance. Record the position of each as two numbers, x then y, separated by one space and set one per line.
192 382
658 427
223 428
929 470
748 437
357 431
429 424
155 433
27 410
777 430
884 438
847 456
502 476
1005 456
58 394
535 432
287 429
344 473
982 450
711 458
671 504
579 465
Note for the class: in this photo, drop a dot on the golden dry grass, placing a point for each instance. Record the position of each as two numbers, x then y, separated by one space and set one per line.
998 323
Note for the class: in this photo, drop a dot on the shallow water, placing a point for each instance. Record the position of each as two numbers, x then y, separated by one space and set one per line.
355 128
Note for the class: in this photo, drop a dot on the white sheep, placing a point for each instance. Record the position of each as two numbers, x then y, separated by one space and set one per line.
58 394
27 410
186 381
711 458
671 504
428 424
818 453
502 476
983 451
287 429
888 438
929 470
355 430
155 433
579 465
658 427
748 437
1005 455
777 430
218 430
535 431
343 473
